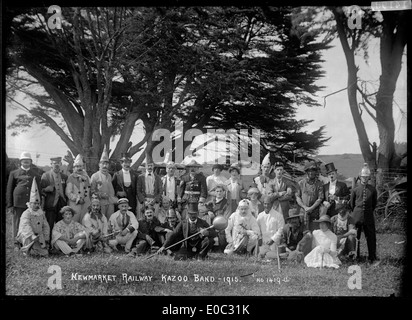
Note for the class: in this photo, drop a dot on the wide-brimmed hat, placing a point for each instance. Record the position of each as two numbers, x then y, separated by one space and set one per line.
125 157
193 163
293 213
311 165
324 218
253 190
330 167
342 205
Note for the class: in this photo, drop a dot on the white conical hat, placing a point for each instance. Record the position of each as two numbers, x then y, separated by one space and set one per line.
266 160
78 161
34 192
105 155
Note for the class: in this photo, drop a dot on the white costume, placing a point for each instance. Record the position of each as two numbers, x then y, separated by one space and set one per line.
317 257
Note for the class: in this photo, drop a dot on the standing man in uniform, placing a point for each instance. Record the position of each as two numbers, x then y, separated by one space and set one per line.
149 188
125 182
334 191
18 191
193 187
363 201
53 186
310 195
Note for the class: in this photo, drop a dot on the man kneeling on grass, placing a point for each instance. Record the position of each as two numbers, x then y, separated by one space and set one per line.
34 231
68 236
198 245
124 223
242 231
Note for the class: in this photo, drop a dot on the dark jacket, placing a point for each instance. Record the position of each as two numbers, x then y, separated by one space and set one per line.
141 188
19 186
192 189
147 228
131 191
341 191
182 231
363 207
48 180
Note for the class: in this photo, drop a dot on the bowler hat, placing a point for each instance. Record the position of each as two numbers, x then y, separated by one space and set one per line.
324 218
330 167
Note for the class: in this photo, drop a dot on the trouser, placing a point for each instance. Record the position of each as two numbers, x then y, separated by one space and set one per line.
126 240
370 235
67 249
107 210
17 212
349 246
194 249
53 215
37 249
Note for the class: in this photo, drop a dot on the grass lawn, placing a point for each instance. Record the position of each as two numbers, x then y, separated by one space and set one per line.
220 275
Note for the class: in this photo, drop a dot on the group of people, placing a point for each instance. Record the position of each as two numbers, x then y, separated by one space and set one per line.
272 218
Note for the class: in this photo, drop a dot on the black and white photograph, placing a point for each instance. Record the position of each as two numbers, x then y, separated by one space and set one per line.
205 151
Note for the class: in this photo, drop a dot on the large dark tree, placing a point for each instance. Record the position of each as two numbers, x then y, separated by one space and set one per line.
111 68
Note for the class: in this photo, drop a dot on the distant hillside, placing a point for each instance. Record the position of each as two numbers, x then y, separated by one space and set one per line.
347 164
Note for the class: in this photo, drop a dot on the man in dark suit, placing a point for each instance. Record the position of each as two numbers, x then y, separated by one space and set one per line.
53 186
197 246
334 191
125 182
149 188
18 190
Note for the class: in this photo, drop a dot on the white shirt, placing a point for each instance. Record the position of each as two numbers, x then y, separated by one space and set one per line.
170 187
127 180
332 187
271 225
149 183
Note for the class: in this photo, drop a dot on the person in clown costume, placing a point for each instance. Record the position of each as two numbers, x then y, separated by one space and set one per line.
262 181
78 190
34 231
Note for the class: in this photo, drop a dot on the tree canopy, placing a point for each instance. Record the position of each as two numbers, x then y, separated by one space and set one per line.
109 69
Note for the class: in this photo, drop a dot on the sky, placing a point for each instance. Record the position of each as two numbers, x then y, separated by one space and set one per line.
335 115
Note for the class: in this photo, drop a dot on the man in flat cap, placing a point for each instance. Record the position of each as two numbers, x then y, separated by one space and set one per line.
334 191
125 182
18 190
309 196
53 186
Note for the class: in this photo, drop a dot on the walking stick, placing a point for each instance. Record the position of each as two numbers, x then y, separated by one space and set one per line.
219 223
321 264
277 254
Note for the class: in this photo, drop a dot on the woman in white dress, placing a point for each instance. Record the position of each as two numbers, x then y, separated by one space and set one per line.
324 243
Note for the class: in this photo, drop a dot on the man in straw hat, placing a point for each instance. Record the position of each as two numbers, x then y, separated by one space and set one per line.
309 196
324 246
281 190
125 182
97 227
149 189
334 191
101 185
195 247
34 231
263 179
363 201
53 188
18 191
124 223
271 224
78 189
193 186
